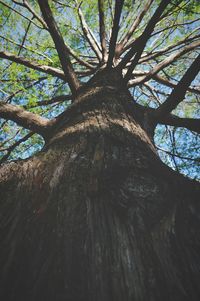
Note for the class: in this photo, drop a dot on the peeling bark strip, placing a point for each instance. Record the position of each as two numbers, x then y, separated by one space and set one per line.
96 215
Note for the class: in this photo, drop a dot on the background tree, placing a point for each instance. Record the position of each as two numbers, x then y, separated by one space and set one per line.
103 88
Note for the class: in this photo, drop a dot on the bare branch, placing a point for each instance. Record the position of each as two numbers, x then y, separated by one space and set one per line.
115 30
88 34
179 91
102 29
33 65
24 118
61 48
188 123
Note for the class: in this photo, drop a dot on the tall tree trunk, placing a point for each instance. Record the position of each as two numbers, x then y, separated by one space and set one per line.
96 215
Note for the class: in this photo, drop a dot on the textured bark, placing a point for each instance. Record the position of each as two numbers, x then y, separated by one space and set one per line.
96 215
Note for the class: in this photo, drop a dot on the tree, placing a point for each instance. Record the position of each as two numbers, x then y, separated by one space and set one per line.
96 215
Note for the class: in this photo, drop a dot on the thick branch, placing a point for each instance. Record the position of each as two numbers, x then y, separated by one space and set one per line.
61 48
179 91
115 30
26 119
30 64
188 123
102 29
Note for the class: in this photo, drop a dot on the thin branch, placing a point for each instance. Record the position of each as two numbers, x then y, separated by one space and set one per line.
33 65
175 24
27 48
61 48
166 62
153 55
56 99
140 43
9 98
12 9
78 59
88 34
2 148
102 30
35 15
12 147
168 83
177 155
24 38
24 118
179 91
136 23
115 30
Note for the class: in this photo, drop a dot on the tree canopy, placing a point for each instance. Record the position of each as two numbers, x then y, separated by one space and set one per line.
51 49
